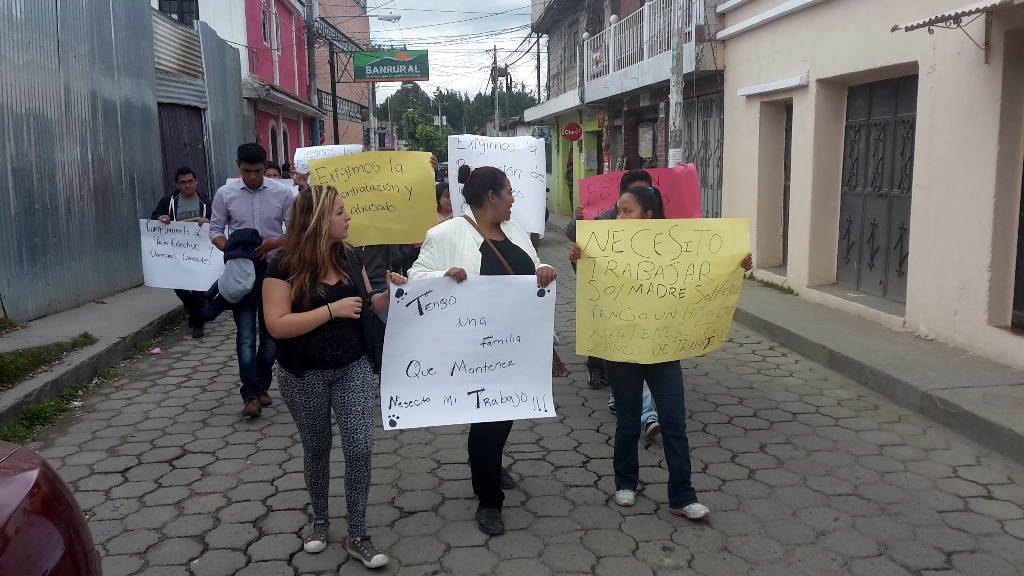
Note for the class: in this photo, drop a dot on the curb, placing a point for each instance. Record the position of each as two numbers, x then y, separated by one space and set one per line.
77 367
956 417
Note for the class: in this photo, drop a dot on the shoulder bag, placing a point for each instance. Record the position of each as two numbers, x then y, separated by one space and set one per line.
373 326
558 369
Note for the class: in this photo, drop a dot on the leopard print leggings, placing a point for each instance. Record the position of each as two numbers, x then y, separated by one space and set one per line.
310 398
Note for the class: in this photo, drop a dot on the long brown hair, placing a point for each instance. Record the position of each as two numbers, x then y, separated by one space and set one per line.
309 252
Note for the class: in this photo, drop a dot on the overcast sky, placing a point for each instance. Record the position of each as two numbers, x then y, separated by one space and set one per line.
459 34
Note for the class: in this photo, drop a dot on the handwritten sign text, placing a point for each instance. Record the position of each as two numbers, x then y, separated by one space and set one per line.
390 195
179 255
479 351
657 290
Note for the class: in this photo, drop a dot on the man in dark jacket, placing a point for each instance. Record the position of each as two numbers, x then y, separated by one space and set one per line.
186 205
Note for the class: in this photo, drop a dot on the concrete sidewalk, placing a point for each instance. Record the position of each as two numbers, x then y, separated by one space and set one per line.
117 322
978 398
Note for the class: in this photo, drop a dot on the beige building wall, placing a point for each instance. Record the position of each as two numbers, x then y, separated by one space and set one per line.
967 167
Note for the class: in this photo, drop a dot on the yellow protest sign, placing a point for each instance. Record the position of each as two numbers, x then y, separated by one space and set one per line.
390 195
651 291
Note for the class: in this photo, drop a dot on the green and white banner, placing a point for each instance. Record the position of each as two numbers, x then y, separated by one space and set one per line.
401 66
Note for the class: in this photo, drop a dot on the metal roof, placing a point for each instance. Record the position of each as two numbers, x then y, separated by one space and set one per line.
954 16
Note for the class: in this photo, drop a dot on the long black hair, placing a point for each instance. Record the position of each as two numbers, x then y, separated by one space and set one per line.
649 198
477 183
440 188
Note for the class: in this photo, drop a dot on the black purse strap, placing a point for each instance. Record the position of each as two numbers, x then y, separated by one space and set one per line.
491 244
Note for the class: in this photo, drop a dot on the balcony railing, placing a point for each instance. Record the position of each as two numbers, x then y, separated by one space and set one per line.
640 36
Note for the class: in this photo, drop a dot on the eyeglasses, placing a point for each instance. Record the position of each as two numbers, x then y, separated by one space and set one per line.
187 182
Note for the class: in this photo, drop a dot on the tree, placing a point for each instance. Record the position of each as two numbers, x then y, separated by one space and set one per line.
409 96
429 139
411 121
464 114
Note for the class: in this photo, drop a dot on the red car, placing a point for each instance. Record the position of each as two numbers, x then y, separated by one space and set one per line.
42 529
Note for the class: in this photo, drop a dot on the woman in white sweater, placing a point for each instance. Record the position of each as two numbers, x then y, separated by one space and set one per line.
485 241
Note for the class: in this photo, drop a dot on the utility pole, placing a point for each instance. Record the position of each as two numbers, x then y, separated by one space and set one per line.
676 86
312 7
538 68
494 88
334 90
373 117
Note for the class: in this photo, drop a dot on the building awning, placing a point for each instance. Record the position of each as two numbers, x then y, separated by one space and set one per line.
954 17
254 88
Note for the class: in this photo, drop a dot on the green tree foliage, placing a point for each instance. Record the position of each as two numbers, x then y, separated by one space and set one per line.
422 134
465 114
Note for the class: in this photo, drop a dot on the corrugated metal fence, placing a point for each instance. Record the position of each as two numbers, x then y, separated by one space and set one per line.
226 124
79 150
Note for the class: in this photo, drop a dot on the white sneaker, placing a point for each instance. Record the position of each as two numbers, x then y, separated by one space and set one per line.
625 497
695 511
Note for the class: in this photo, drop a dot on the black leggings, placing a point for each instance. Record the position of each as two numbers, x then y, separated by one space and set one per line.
486 443
310 398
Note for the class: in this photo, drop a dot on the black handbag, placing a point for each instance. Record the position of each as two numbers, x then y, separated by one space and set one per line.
373 326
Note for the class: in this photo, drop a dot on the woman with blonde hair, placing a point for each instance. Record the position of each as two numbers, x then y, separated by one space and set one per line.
314 295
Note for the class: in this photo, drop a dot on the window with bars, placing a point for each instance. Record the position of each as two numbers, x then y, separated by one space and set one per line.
184 11
265 22
277 33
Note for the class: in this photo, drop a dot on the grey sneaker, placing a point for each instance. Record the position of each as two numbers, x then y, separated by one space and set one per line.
316 540
651 430
365 551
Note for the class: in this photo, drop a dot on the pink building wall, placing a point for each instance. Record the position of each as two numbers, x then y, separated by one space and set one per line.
298 135
286 69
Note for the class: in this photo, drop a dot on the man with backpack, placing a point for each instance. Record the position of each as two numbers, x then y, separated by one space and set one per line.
187 204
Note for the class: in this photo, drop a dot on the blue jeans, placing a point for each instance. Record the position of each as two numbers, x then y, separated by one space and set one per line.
254 364
648 415
666 383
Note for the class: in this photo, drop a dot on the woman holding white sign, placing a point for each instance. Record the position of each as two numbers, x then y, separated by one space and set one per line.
665 380
313 297
485 241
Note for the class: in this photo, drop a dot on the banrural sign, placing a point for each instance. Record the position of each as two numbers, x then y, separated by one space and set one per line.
402 66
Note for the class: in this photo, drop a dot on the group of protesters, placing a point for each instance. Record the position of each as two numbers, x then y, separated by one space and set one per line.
298 292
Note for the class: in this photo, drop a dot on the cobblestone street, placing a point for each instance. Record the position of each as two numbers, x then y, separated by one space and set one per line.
805 472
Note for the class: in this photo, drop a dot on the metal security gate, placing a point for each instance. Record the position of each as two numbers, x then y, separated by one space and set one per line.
182 143
704 127
1018 287
878 163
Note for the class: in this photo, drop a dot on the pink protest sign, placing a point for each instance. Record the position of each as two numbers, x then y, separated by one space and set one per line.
680 189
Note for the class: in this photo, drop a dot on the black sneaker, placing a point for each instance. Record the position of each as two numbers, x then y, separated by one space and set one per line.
365 551
490 522
507 481
197 332
596 379
316 540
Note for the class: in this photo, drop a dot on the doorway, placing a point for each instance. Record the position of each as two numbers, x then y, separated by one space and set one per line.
1018 286
878 164
787 171
182 143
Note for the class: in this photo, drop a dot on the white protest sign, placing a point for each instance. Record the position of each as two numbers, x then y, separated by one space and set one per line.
479 351
520 158
179 255
304 155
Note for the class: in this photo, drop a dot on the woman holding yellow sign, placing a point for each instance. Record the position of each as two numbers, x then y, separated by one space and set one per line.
665 380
